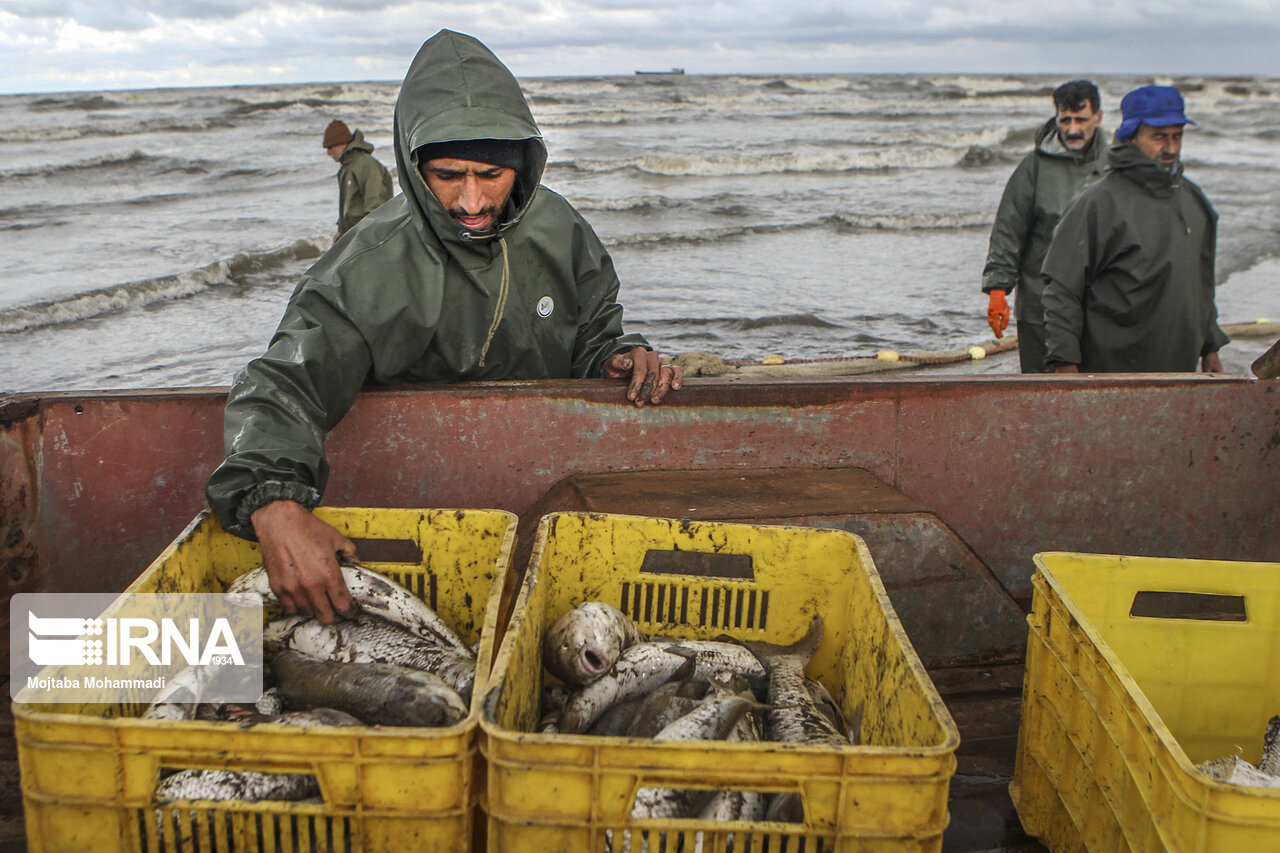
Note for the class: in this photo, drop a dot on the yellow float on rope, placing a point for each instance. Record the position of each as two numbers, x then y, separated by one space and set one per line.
773 359
887 355
976 353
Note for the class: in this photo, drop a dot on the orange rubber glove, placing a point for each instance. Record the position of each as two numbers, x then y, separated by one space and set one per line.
998 313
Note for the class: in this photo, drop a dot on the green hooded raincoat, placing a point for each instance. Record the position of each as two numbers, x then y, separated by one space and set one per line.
364 184
1037 193
1129 278
409 296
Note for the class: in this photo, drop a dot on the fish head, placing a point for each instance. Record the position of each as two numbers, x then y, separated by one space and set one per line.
584 643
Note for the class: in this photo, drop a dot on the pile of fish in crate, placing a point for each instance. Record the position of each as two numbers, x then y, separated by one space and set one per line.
366 741
391 662
615 681
675 685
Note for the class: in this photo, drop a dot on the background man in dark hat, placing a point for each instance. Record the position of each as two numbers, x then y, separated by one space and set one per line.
1129 275
363 182
473 272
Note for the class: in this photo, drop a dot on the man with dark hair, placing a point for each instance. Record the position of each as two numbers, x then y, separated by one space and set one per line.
1129 278
1066 157
473 272
363 182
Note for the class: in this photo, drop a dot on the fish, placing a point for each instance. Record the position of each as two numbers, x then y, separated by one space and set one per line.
617 721
185 692
640 668
374 593
249 786
377 693
371 639
792 716
665 705
584 643
1270 761
1234 770
713 719
720 658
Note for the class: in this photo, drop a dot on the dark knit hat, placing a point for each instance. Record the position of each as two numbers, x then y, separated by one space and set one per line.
496 152
337 133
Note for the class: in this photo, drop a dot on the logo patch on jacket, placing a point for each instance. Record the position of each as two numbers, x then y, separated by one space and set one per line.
545 306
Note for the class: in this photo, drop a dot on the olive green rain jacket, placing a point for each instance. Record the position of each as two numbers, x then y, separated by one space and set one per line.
1037 192
363 183
1129 279
408 295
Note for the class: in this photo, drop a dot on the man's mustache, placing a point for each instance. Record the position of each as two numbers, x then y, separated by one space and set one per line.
460 213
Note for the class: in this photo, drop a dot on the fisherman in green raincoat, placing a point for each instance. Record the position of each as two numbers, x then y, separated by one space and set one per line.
1129 276
363 182
1069 154
473 272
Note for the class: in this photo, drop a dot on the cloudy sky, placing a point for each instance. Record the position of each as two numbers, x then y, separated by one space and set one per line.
59 45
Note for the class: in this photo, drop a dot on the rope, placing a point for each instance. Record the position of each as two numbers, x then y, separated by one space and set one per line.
503 289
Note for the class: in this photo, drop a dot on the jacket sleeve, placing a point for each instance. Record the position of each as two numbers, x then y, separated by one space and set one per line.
1065 272
1012 228
281 407
600 332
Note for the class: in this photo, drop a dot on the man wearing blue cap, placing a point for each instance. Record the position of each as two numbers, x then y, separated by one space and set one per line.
1129 278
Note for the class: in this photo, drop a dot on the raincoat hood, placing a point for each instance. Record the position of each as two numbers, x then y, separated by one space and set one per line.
1153 176
456 89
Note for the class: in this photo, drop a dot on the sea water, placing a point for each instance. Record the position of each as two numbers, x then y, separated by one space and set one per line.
151 237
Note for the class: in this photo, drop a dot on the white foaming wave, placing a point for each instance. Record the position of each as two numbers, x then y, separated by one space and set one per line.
137 294
756 164
987 85
916 221
628 203
552 87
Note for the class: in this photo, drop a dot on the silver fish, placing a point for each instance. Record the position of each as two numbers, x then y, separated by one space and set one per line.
375 594
584 643
1270 761
1234 770
377 693
371 639
640 668
792 715
663 706
236 785
719 659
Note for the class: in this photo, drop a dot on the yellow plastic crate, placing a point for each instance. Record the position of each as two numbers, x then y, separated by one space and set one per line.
1117 709
699 580
89 773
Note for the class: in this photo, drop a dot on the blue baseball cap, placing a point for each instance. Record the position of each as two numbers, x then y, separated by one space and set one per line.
1158 106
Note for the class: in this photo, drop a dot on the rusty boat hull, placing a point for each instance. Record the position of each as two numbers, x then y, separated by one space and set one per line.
955 484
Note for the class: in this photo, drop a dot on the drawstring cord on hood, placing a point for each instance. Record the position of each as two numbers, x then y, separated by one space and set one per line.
502 300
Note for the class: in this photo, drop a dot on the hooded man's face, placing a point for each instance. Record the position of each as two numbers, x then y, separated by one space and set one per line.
474 193
1162 144
1077 127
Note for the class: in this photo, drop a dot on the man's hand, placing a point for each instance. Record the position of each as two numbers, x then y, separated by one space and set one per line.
1211 364
998 313
651 377
300 553
1068 368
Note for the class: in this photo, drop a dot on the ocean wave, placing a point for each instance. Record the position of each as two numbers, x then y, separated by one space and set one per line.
77 101
742 324
913 221
629 204
156 165
736 163
136 294
245 108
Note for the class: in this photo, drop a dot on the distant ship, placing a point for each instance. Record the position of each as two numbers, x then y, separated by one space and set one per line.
672 71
